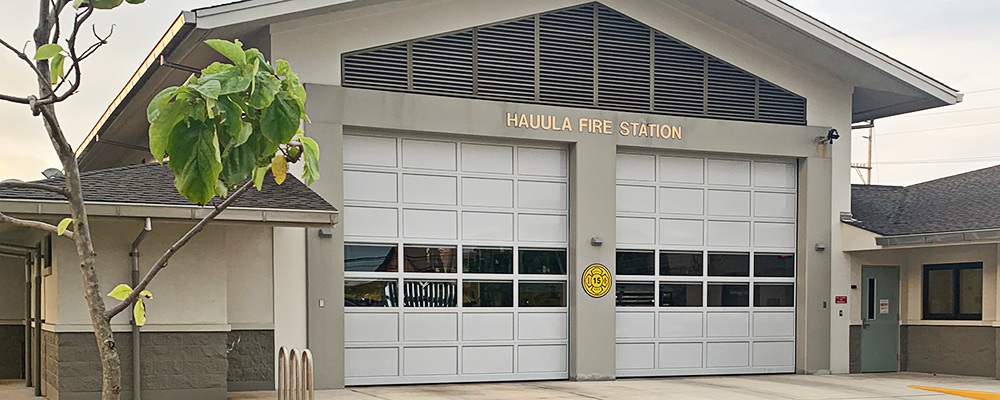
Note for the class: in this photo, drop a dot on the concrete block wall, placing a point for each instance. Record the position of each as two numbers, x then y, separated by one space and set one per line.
958 350
189 365
251 360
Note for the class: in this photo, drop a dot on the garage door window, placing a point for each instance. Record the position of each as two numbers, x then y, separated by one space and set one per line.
774 295
634 294
482 260
487 294
635 263
774 265
728 295
420 293
370 258
729 264
546 262
680 294
370 293
953 291
542 294
429 259
680 263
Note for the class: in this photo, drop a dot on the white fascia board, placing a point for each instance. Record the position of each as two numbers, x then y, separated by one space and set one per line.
280 217
255 10
829 36
150 63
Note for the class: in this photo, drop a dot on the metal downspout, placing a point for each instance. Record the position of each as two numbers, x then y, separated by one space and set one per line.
27 321
134 256
38 322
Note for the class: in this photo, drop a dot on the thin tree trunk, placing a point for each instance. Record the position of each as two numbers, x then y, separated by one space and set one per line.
110 363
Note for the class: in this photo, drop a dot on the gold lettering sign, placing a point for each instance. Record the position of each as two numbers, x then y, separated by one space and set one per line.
552 123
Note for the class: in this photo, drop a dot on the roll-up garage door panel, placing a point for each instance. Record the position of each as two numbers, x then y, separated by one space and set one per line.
413 191
709 206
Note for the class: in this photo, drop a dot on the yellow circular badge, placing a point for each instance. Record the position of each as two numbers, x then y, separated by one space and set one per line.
597 280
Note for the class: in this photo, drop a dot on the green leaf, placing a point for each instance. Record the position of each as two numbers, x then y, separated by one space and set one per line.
170 116
221 189
135 1
56 68
231 50
139 313
105 4
310 171
161 98
258 176
61 228
246 129
237 165
78 3
120 292
147 294
195 160
266 86
280 121
48 51
254 54
231 80
210 89
232 123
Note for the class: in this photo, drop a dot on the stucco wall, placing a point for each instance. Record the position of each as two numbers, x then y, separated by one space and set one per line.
225 261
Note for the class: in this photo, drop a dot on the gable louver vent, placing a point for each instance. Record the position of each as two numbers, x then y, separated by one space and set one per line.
585 56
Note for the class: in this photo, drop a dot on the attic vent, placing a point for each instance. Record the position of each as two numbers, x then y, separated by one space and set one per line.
584 56
566 56
443 64
506 61
623 62
382 68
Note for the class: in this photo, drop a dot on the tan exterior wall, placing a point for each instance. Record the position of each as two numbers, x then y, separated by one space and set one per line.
218 279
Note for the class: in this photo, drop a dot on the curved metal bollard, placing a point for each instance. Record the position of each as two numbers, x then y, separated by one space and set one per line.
295 374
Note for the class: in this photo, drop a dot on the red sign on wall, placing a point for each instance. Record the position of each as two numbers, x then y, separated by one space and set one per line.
840 299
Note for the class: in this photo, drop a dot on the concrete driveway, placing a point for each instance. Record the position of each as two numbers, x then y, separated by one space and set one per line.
813 387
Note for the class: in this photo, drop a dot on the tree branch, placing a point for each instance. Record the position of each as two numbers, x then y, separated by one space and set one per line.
38 186
24 223
162 262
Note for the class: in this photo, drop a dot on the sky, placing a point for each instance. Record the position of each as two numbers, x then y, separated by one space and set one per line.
953 41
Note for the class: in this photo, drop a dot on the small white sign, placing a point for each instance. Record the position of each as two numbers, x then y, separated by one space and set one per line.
883 306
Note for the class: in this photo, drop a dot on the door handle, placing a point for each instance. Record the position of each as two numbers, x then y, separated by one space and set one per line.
864 323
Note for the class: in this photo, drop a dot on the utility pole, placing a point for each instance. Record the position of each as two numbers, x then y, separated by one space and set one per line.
867 167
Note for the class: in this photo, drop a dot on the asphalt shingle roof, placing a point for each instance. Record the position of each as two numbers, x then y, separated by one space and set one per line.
154 184
968 201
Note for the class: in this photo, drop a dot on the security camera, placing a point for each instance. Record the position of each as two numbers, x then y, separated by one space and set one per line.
831 135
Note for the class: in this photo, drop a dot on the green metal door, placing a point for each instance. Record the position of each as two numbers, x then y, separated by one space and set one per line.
879 319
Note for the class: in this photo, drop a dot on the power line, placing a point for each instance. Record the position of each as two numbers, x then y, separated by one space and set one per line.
939 129
982 90
941 160
945 112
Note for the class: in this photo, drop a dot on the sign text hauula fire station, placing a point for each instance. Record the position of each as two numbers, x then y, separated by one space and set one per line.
546 122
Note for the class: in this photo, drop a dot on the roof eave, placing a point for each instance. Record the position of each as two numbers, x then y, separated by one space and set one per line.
278 217
179 31
939 238
827 35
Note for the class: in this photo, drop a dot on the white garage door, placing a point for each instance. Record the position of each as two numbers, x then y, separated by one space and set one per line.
705 266
455 261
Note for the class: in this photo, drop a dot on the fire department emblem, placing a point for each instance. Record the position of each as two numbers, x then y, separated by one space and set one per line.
597 280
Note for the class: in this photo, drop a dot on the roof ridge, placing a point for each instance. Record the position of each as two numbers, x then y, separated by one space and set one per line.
952 177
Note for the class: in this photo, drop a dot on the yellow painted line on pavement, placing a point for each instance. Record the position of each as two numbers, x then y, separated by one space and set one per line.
970 394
